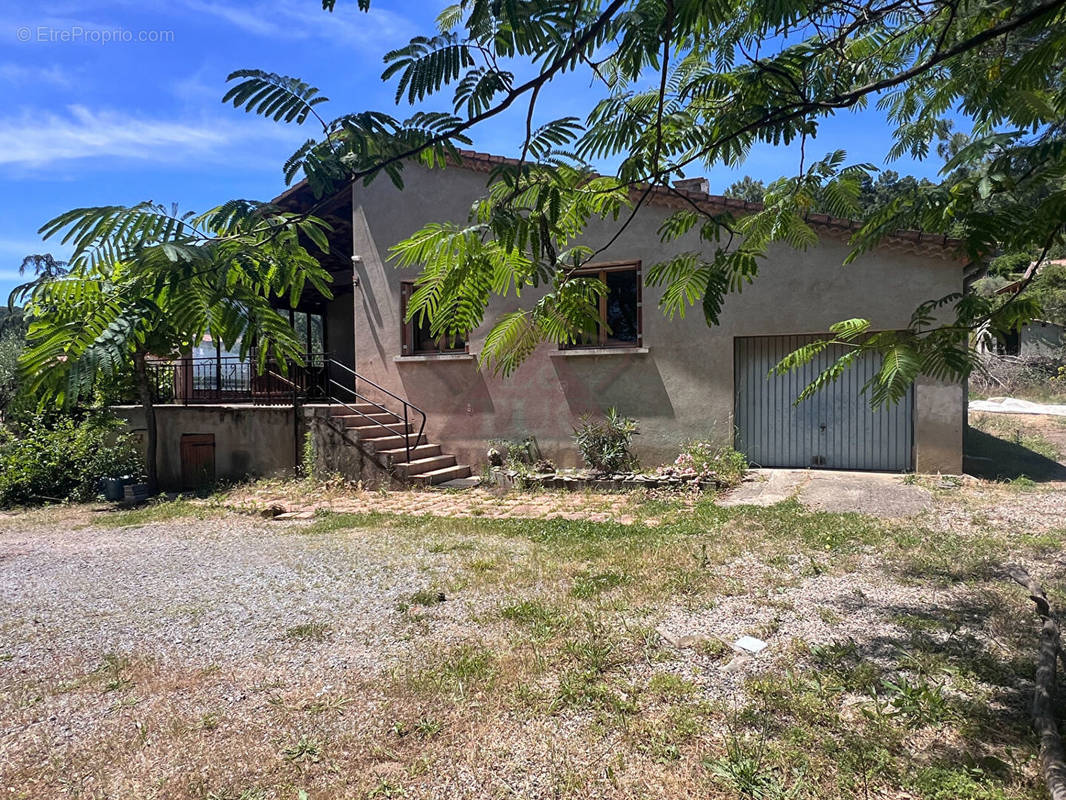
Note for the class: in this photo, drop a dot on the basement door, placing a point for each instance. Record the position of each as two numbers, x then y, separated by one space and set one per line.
834 429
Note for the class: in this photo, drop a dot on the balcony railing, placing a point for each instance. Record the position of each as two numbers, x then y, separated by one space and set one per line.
195 381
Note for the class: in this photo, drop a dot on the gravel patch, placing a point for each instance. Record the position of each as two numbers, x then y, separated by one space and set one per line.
220 592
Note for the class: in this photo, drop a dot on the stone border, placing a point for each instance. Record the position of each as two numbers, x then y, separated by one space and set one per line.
581 480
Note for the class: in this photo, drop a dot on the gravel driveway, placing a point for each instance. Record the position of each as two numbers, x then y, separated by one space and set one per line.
220 656
203 592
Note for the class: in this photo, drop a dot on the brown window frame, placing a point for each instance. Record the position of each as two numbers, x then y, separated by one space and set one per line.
407 330
600 271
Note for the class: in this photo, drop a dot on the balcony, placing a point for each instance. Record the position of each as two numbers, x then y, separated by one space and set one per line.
228 380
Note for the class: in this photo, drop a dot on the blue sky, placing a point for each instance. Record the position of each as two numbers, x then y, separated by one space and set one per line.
118 102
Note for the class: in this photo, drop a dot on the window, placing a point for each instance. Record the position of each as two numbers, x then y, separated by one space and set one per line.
620 307
417 339
310 329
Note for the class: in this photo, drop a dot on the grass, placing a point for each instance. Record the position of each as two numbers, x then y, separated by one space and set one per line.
159 511
545 661
311 631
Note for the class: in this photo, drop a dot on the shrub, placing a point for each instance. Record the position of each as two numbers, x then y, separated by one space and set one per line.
706 461
1033 377
1010 264
604 445
63 458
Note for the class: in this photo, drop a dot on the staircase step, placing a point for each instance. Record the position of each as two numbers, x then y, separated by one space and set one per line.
341 410
441 475
399 454
381 443
353 420
377 432
420 466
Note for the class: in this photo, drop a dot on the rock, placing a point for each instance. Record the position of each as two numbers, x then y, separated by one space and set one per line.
295 515
681 641
736 664
749 644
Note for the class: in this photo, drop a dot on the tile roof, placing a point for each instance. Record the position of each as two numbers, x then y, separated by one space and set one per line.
908 240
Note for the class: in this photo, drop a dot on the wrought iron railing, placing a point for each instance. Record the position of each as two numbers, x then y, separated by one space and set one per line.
407 413
321 379
229 379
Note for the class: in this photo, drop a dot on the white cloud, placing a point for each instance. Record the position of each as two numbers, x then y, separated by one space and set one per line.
41 138
32 76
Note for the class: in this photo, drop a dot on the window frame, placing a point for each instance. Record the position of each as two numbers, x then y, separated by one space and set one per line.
407 331
600 271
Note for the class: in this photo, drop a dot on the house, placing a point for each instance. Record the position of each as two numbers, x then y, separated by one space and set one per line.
679 378
1036 338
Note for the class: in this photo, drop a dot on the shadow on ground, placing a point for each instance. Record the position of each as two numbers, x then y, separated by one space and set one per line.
990 457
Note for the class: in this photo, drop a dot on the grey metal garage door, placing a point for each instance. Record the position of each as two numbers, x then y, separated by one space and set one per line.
835 429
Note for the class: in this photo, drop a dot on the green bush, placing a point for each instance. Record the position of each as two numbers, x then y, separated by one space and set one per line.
605 445
1010 264
63 458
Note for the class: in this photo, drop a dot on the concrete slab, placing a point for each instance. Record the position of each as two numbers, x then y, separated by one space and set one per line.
879 494
769 487
460 483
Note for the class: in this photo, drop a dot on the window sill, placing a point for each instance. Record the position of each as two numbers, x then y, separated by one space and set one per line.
435 357
599 351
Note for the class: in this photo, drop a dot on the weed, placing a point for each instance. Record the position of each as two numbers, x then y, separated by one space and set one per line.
303 751
744 769
427 597
312 631
386 789
670 686
1022 483
588 585
464 667
427 727
210 721
585 688
542 620
920 702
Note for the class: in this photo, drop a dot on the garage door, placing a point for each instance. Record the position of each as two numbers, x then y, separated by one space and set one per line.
835 429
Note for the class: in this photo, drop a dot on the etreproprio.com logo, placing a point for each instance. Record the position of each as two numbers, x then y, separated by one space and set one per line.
76 34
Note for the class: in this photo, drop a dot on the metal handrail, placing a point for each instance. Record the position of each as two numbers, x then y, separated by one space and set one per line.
407 407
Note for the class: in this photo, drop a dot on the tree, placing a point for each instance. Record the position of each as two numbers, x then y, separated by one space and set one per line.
1049 290
689 84
144 280
747 188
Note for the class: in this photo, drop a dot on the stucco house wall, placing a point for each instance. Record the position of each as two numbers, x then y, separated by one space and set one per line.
680 386
250 441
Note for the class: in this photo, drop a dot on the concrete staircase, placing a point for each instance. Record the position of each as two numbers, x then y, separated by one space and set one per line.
428 464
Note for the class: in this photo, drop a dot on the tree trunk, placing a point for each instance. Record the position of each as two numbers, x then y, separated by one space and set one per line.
1052 753
144 390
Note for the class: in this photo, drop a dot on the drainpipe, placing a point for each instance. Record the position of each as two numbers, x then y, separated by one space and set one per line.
295 425
356 261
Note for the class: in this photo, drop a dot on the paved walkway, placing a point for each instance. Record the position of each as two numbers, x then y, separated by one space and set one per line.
876 493
591 506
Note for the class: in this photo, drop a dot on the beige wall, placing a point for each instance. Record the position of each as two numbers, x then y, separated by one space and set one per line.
681 388
250 441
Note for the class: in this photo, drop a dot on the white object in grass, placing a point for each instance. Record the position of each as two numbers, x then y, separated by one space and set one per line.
750 643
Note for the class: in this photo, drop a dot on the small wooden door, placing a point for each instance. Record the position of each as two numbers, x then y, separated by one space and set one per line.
197 460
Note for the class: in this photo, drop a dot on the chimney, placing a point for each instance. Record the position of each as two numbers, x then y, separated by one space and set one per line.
693 185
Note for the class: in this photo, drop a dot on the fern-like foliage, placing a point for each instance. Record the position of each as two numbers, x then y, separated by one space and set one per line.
145 280
274 96
691 84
